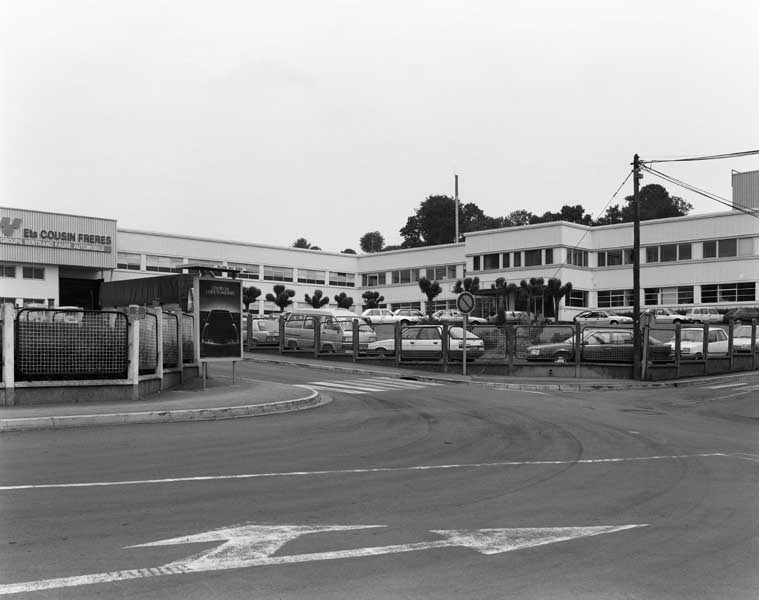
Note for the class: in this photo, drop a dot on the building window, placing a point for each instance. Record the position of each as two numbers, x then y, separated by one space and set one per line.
309 276
128 260
517 259
727 248
614 298
342 279
745 246
440 273
577 298
505 262
533 258
161 264
668 253
615 258
578 258
729 292
490 262
549 256
372 279
33 272
685 294
247 271
33 301
278 273
406 276
684 251
475 263
8 271
710 249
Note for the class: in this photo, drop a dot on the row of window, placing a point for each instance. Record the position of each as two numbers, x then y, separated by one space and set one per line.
9 271
683 294
399 276
507 260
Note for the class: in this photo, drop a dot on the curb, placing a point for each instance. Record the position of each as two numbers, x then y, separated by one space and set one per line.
542 387
313 400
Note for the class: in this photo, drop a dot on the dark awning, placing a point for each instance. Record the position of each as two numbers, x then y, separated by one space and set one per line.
166 289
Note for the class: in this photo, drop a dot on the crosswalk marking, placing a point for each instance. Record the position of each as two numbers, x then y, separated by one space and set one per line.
726 385
372 384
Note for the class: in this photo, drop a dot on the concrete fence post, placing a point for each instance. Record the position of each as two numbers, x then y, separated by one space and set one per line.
159 344
180 350
9 356
134 357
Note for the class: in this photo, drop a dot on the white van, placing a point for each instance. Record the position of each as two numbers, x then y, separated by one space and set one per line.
335 334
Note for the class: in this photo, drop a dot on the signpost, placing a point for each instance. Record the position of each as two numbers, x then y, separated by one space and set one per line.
465 303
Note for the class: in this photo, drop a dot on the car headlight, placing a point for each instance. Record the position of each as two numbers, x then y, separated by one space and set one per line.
533 351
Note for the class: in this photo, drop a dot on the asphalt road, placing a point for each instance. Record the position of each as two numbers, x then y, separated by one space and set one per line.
448 491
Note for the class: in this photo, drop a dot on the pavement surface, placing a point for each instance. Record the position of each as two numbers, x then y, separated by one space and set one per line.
222 399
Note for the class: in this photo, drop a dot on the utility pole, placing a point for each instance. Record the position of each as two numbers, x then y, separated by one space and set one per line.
637 346
456 197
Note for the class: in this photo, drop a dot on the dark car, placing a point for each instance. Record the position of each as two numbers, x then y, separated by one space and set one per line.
742 314
220 329
599 345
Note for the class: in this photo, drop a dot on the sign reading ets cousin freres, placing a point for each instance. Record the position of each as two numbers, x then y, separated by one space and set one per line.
13 231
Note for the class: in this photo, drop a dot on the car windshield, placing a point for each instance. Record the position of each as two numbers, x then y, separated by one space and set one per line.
692 335
268 325
346 324
457 333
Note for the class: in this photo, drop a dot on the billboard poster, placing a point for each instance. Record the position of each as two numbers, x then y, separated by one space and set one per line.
219 304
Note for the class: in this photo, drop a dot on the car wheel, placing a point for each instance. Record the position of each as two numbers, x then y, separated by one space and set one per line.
677 321
612 322
404 322
738 322
699 356
292 344
328 349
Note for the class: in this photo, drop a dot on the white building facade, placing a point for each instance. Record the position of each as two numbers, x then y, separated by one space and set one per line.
708 260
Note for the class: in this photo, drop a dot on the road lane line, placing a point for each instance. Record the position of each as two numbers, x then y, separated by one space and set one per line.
725 385
327 389
525 463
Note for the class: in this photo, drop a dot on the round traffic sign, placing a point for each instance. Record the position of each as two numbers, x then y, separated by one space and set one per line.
465 302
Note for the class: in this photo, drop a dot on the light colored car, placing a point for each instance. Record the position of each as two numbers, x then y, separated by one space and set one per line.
335 332
601 317
265 332
426 342
703 315
408 315
665 315
742 339
692 342
454 316
379 315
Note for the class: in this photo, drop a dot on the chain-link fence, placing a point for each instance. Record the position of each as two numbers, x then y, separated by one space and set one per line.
494 339
170 341
148 344
544 342
188 338
56 344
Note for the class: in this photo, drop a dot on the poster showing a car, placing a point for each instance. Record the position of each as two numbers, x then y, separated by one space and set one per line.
219 316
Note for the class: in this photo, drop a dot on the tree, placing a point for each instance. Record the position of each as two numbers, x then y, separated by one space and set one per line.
372 241
372 299
281 297
555 291
518 217
532 290
301 243
655 203
434 223
570 214
348 251
250 295
469 284
343 300
431 289
317 300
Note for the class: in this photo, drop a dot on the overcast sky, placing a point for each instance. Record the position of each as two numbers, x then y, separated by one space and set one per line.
268 121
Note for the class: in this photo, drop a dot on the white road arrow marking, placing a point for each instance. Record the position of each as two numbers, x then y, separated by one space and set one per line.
254 545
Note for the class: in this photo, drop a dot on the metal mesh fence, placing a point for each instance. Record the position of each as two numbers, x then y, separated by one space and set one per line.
742 336
544 342
188 338
148 344
170 341
494 339
70 344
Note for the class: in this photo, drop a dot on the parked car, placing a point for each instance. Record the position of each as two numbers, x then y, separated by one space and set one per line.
379 315
264 332
665 315
426 342
743 314
742 339
335 333
601 317
692 342
408 315
703 315
599 345
454 316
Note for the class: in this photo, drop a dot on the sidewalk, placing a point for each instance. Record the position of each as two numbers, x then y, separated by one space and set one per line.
219 400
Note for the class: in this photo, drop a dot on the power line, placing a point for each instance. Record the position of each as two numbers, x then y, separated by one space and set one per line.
739 207
711 157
